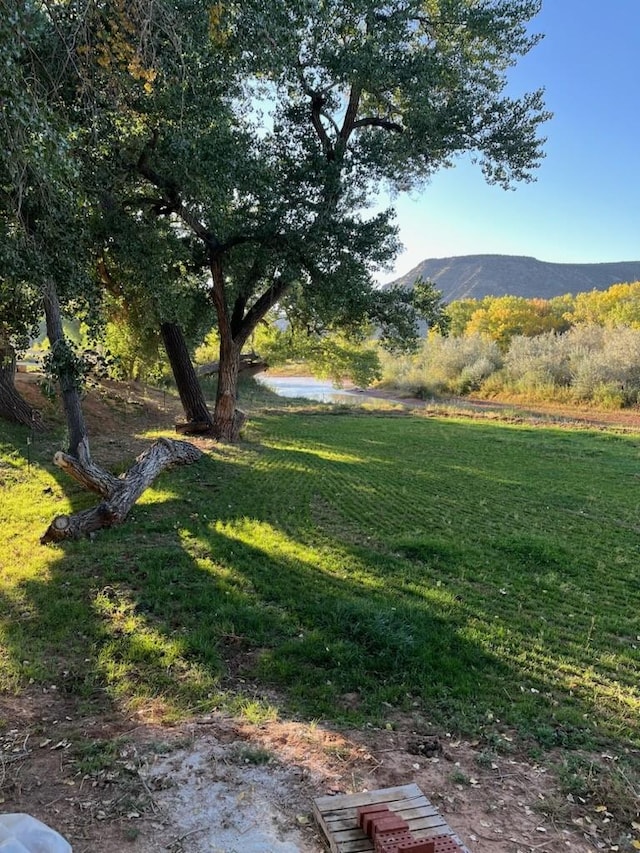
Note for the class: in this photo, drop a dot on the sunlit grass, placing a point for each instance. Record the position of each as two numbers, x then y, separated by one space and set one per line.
481 572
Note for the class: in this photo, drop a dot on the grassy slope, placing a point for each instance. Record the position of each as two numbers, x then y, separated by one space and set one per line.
485 571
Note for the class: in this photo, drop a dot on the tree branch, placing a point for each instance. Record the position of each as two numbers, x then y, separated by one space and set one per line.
261 306
120 493
318 100
317 103
374 121
173 200
351 113
82 469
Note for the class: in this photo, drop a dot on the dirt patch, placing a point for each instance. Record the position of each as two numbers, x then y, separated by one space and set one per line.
113 408
116 413
110 783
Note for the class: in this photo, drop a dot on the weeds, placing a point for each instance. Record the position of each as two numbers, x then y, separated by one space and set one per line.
599 794
247 754
607 783
459 777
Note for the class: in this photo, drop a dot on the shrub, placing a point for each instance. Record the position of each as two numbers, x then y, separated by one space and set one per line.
542 361
605 365
444 365
608 395
588 363
473 375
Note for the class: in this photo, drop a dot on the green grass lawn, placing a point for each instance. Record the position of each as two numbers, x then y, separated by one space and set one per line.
486 574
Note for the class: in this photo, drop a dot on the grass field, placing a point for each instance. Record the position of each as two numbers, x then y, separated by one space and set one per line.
346 567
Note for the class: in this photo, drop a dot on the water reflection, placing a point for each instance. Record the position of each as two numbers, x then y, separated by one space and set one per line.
309 388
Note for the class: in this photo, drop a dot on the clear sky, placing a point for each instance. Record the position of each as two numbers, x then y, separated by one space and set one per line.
585 204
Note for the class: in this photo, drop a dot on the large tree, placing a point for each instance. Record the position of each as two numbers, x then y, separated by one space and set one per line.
262 133
48 245
27 164
324 103
44 253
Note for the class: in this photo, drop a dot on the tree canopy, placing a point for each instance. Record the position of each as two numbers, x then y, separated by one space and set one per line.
273 137
247 143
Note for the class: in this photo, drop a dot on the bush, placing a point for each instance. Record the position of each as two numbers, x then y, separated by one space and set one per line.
537 362
473 375
608 395
605 365
444 365
588 363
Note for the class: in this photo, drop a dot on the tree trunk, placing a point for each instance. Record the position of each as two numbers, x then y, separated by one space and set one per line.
199 418
13 406
78 436
120 493
227 419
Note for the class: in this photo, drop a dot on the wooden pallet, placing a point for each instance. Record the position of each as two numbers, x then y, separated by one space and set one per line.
336 817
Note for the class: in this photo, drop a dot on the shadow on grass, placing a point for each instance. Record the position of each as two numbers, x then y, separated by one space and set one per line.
220 590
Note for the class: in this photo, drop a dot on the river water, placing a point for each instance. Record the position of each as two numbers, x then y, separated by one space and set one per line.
309 388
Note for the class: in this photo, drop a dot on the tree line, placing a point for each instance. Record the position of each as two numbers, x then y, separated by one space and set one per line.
500 318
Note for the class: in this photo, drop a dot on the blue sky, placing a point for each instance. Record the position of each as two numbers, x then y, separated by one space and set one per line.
585 205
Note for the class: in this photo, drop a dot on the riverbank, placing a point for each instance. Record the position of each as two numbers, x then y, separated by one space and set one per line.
308 387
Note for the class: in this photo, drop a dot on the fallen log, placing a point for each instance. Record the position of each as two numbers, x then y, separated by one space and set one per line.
250 363
85 471
119 493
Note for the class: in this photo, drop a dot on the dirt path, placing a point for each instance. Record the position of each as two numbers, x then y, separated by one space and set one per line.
556 413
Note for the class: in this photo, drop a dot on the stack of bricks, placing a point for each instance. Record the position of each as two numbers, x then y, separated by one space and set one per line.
391 834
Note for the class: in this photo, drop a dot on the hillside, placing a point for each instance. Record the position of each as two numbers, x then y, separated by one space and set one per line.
495 275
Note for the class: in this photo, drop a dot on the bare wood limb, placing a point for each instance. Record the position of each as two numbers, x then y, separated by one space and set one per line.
249 363
374 121
86 472
123 492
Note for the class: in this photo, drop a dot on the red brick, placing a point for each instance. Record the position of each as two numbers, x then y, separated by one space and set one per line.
391 843
417 845
394 837
446 844
366 813
386 847
387 825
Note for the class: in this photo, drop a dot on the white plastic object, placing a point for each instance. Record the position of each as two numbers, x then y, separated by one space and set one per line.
21 833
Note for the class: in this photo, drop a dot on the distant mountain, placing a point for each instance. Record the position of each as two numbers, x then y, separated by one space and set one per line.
475 276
